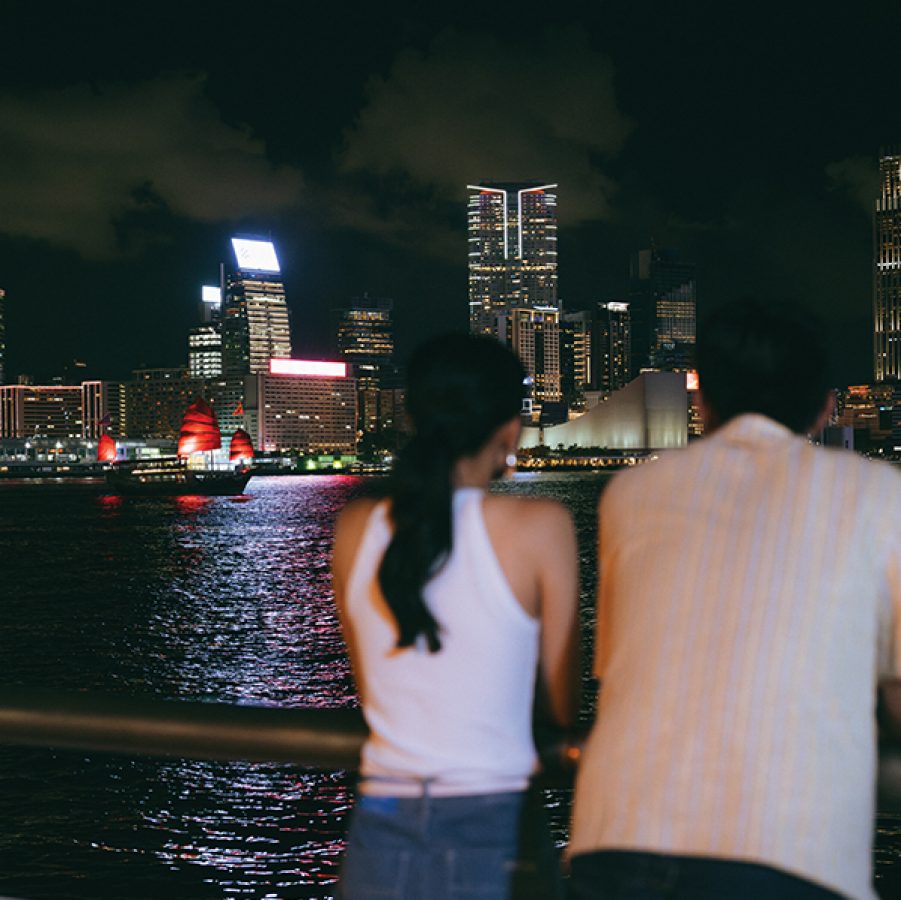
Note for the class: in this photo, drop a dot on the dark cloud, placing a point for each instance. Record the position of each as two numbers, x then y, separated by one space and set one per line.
472 107
857 177
78 161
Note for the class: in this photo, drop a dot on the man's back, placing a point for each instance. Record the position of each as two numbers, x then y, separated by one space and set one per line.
745 612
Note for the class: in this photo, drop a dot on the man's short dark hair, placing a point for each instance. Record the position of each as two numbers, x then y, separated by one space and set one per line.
762 357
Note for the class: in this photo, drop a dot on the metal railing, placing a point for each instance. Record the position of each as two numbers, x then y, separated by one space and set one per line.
320 738
315 738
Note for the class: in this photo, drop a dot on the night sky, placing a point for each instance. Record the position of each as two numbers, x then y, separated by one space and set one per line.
135 138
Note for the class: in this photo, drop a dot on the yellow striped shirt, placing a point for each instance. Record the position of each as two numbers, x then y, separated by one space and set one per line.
749 598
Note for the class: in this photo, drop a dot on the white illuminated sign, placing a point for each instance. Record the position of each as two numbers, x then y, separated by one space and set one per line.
255 256
211 294
316 367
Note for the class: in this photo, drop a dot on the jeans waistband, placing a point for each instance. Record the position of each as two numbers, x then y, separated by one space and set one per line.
411 786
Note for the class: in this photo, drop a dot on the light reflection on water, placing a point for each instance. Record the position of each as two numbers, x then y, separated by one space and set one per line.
225 599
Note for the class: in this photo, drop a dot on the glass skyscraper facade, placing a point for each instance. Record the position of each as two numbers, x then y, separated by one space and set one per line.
887 270
663 305
613 353
255 324
512 251
2 337
366 342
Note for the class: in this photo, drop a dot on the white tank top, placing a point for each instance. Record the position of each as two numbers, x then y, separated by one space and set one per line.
461 718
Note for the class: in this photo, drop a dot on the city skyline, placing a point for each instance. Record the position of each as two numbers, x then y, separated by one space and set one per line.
128 165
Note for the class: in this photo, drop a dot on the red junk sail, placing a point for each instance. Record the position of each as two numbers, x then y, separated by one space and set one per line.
106 449
199 429
241 447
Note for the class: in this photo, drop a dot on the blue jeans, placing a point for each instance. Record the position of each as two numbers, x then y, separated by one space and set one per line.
446 848
626 875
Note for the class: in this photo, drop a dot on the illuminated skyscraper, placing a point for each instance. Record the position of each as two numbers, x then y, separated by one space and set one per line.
613 346
534 335
365 332
205 339
366 342
2 338
255 326
887 270
576 356
512 251
662 292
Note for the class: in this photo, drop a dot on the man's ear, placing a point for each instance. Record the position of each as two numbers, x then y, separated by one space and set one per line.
708 416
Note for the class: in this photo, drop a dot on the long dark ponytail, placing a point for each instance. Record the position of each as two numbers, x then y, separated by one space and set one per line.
460 390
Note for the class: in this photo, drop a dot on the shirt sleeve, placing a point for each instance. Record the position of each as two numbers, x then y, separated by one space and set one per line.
890 643
604 624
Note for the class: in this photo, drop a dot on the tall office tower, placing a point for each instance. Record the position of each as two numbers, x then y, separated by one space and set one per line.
255 326
576 356
887 270
512 251
662 296
2 338
366 343
534 335
613 346
205 339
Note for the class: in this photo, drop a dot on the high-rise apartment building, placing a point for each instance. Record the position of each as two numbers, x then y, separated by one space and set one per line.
663 306
887 270
255 325
512 251
2 336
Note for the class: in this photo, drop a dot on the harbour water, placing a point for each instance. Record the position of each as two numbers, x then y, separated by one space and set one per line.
221 599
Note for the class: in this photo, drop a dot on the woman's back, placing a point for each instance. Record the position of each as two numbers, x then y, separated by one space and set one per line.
452 603
460 718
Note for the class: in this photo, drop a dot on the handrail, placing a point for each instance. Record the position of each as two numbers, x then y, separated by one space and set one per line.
316 738
321 738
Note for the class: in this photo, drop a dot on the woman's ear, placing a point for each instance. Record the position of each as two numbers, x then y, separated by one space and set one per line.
509 434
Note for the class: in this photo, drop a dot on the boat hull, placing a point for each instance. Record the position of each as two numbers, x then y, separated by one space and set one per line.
177 483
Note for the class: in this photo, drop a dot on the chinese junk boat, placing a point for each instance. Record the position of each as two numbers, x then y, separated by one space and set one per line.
191 471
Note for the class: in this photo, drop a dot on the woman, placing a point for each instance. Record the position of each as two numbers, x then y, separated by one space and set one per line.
451 600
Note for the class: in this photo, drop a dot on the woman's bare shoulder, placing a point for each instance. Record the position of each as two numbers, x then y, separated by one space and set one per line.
535 520
355 512
349 528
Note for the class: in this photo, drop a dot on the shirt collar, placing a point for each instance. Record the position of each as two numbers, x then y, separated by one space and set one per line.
753 428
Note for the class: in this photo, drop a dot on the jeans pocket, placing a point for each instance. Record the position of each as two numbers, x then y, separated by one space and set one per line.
374 874
480 874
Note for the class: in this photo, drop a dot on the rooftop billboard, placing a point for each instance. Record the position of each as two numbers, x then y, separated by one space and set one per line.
255 256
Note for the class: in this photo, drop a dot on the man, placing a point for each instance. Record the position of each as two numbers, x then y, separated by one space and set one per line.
749 602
